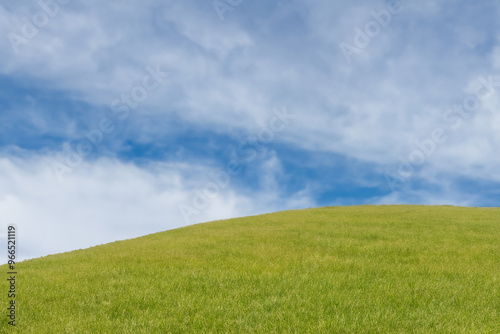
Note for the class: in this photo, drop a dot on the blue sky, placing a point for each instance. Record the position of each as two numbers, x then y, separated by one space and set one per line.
123 119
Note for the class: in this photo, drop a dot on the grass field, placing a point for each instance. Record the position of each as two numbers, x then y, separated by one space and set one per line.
360 269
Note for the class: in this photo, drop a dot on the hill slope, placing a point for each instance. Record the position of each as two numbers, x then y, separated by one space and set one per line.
361 269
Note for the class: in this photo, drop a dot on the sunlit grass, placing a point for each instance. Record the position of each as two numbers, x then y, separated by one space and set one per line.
362 269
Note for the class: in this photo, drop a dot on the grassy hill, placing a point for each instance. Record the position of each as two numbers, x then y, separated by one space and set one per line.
360 269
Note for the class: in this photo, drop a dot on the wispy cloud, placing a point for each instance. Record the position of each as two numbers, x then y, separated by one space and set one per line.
90 63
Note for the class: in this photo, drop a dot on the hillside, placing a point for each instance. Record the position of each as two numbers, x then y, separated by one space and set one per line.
360 269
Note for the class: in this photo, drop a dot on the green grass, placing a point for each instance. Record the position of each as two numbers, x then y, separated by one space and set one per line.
360 269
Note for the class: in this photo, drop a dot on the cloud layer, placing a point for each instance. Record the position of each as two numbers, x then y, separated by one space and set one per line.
393 102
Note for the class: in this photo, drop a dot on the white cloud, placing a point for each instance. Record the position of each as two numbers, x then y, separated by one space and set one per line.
225 76
108 200
228 77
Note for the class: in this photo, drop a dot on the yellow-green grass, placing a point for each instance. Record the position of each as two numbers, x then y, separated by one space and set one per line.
359 269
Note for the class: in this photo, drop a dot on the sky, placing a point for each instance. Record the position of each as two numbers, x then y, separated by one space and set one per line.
121 119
